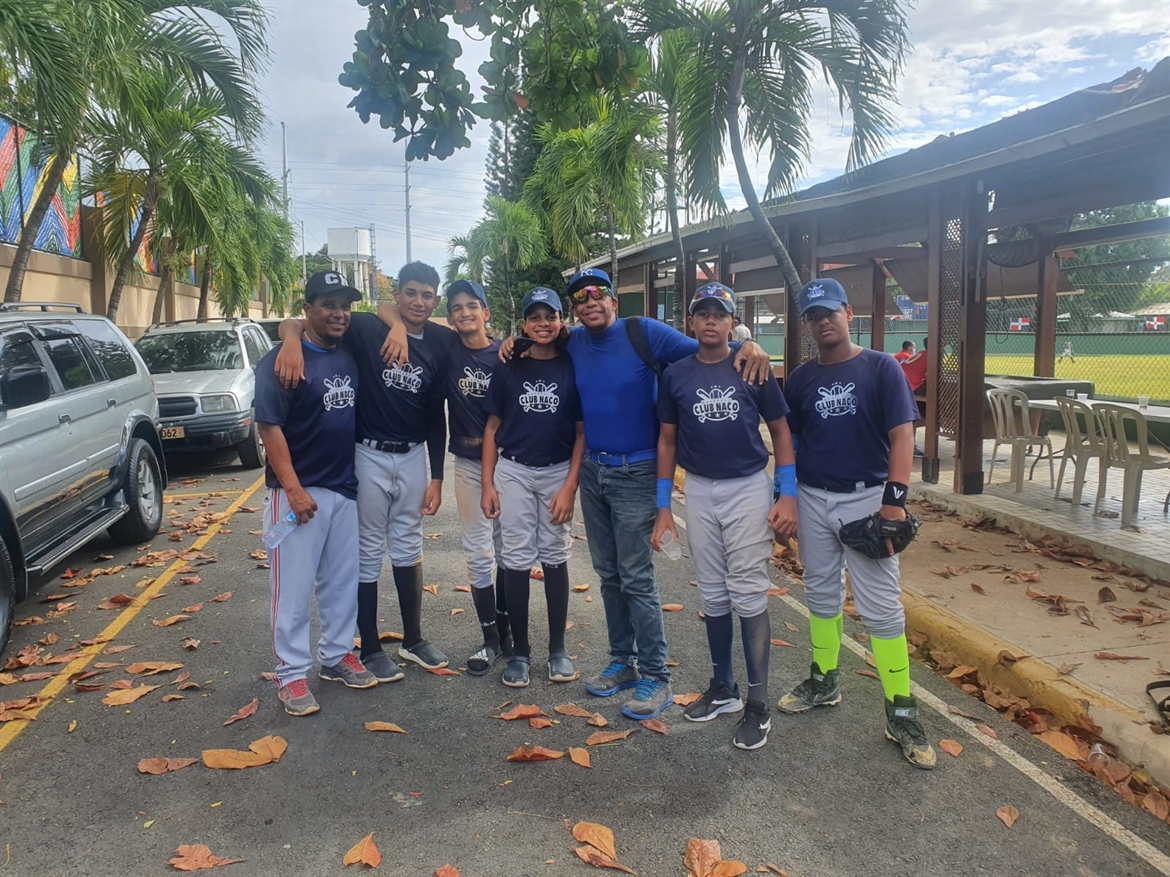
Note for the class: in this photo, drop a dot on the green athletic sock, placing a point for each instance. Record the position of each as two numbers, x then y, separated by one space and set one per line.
893 664
826 640
840 621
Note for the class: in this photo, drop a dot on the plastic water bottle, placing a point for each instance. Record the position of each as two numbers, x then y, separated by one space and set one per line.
276 535
670 546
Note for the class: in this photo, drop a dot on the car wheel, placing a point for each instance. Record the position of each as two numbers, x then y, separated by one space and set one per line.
7 594
143 490
251 449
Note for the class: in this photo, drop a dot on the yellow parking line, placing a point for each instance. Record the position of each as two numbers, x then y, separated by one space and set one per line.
208 493
57 684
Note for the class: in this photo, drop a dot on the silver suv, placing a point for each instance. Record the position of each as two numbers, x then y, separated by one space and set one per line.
79 442
204 374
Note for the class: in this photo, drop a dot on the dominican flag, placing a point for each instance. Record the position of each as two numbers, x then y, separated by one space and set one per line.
1155 323
1021 323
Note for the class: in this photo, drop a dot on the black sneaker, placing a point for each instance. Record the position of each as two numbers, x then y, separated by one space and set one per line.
424 654
820 689
516 673
903 727
716 701
754 725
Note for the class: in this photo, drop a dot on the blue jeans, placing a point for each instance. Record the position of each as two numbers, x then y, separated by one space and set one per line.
619 507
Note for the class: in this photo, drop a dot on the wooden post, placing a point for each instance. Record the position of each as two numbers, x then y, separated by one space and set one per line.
934 252
1044 364
972 342
877 332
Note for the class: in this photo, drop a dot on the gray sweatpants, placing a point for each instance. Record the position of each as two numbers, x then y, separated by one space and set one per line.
320 554
525 521
731 542
482 540
875 582
391 490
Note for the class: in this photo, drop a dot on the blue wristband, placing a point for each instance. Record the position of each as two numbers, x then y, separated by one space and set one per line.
784 480
665 486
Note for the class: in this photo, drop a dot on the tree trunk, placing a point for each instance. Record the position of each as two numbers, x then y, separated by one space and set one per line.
127 260
166 280
54 173
779 251
204 286
611 228
680 288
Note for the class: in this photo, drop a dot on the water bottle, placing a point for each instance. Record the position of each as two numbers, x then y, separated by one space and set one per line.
283 527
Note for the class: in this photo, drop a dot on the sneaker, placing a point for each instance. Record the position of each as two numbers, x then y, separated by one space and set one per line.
481 663
297 699
350 672
651 697
383 668
716 701
903 727
613 679
516 674
918 452
820 689
424 654
752 730
561 669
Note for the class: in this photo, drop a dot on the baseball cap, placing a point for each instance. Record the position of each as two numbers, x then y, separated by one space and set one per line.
725 295
542 295
589 277
470 287
824 293
325 282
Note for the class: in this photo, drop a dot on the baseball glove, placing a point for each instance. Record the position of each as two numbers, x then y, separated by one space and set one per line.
878 537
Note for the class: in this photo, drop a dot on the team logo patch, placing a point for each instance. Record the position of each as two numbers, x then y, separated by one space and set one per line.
338 393
814 292
404 377
837 400
540 397
475 382
716 404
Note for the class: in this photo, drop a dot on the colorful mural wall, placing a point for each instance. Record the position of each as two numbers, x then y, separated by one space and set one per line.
20 182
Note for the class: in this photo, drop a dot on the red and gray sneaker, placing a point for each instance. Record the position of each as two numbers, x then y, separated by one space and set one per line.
297 699
350 672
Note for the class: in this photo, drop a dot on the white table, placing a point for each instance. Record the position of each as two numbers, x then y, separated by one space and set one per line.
1152 414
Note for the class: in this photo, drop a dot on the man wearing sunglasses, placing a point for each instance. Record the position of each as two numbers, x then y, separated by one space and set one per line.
618 481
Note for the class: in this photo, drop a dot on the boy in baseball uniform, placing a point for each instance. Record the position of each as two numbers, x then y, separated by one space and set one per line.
852 416
710 423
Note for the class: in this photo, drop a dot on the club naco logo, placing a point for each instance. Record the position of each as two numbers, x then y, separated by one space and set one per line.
837 400
540 397
716 404
404 377
475 382
338 393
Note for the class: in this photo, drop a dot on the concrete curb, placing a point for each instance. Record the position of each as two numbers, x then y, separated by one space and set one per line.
1040 682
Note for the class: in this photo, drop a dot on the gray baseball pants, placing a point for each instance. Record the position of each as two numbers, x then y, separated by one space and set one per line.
320 554
525 522
731 542
482 538
875 582
391 489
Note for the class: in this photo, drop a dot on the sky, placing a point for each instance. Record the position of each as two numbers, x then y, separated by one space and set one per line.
971 62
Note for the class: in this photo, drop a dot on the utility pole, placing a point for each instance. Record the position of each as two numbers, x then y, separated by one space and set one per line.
284 164
304 257
373 265
407 175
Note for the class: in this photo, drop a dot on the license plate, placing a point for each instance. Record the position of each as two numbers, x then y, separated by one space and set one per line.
173 432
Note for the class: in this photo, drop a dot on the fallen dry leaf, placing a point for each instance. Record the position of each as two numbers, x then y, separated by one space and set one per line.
672 607
364 852
123 696
114 650
1110 656
190 643
444 671
729 868
686 699
222 598
1106 595
198 857
655 725
384 726
536 573
571 709
190 580
951 747
457 611
244 712
596 835
702 856
597 720
777 592
447 871
536 723
600 860
780 642
1065 745
173 619
534 753
1156 803
978 589
1008 815
599 737
463 589
579 756
580 588
521 711
171 697
150 668
983 729
433 590
266 750
198 607
160 765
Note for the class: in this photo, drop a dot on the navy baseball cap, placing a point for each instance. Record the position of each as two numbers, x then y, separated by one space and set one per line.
542 295
470 287
824 293
589 277
325 282
725 295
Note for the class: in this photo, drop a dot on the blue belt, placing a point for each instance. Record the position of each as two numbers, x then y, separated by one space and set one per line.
601 458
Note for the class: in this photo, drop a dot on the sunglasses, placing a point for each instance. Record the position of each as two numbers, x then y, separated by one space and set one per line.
596 293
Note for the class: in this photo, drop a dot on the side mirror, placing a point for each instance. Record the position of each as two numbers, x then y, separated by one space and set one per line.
24 385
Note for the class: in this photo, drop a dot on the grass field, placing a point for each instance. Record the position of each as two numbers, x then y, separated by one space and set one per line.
1117 375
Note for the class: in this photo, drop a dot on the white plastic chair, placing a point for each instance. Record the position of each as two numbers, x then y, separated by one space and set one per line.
1120 454
1018 433
1082 442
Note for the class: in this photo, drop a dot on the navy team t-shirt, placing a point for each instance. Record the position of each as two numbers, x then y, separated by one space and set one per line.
718 416
842 414
469 377
317 417
538 406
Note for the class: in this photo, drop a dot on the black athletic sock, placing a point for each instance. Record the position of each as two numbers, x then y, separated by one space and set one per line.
485 610
757 651
502 623
720 633
408 582
367 618
516 586
556 595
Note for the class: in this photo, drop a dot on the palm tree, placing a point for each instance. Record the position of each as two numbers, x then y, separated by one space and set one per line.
109 45
755 80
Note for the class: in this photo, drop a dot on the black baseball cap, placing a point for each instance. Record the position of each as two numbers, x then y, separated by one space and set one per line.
725 295
326 282
824 293
590 277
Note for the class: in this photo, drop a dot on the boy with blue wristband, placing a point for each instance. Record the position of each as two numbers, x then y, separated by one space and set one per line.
710 420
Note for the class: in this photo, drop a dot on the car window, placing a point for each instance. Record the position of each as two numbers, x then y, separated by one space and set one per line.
272 329
71 362
109 347
190 351
16 349
253 346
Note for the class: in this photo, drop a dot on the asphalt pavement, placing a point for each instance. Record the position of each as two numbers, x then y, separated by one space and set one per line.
827 797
